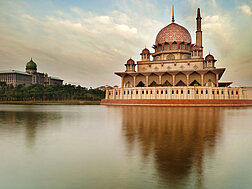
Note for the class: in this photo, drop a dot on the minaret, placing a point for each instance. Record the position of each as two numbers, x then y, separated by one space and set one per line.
198 32
173 14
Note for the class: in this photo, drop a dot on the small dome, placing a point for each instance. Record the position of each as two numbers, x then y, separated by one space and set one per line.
145 51
195 47
173 32
209 57
31 65
130 61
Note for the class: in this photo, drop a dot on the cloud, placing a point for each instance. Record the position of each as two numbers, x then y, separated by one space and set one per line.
245 9
83 44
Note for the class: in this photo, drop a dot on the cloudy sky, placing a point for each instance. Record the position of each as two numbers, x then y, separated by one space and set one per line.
84 42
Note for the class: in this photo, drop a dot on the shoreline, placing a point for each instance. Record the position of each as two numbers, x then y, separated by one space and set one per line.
40 102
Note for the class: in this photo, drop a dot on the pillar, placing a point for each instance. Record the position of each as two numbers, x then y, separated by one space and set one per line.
134 81
146 80
217 80
202 79
173 80
122 82
159 79
187 80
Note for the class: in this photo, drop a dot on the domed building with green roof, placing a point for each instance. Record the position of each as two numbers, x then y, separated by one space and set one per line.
31 67
30 77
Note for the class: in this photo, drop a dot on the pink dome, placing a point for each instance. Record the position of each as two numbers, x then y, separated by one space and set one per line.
209 57
173 32
130 61
146 51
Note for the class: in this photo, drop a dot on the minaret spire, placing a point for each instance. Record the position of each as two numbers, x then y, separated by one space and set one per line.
173 14
198 31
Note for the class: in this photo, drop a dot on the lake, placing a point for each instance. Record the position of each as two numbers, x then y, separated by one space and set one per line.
85 147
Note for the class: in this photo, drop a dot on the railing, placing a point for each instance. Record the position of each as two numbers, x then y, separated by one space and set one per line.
194 92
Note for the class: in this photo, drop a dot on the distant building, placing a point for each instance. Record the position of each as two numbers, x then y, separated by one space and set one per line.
31 76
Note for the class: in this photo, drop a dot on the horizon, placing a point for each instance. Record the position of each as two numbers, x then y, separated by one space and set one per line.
89 42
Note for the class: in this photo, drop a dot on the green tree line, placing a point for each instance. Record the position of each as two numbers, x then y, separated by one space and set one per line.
46 93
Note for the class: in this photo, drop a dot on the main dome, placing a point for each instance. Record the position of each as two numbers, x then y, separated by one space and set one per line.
173 32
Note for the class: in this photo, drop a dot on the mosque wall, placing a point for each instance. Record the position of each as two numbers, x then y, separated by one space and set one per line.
216 93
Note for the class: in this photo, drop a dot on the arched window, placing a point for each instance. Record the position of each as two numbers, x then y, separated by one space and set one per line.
159 48
174 46
167 46
182 45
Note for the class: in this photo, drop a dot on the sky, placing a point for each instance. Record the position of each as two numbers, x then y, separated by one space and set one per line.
84 42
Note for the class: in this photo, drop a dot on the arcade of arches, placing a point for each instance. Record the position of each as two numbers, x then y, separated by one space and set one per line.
154 79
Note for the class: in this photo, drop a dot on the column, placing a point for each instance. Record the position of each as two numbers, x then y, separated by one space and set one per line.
159 79
187 80
106 94
122 82
202 79
217 80
134 81
173 80
146 80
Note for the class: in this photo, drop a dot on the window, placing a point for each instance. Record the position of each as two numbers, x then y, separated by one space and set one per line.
202 91
197 92
116 92
217 92
212 92
142 92
174 45
146 92
177 92
165 91
232 92
157 91
136 92
188 91
221 92
128 92
150 92
237 92
161 91
172 91
181 91
206 92
109 93
123 92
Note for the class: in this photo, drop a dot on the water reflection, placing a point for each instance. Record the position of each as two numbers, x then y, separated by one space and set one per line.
177 139
27 122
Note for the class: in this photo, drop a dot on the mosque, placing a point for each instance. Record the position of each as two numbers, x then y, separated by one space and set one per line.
178 74
29 77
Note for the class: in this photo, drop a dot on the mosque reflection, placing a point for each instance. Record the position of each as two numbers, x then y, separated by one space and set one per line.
177 138
28 122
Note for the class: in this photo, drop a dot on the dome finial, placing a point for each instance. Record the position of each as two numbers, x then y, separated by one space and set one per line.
209 51
173 20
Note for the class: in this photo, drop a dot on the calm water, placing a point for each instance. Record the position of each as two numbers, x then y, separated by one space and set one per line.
85 147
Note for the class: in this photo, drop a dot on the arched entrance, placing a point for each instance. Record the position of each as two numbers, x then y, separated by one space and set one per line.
140 84
180 83
195 83
153 84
